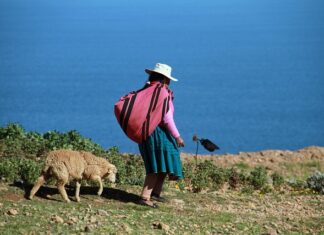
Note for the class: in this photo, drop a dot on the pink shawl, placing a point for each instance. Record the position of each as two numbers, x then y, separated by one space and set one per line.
140 112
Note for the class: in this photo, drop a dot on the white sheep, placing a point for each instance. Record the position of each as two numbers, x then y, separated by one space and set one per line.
68 165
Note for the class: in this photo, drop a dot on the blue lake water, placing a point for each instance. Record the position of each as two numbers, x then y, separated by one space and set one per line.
251 73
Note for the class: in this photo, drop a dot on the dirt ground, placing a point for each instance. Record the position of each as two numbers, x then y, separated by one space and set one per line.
273 160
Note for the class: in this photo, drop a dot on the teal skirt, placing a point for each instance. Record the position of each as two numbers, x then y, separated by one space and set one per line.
160 153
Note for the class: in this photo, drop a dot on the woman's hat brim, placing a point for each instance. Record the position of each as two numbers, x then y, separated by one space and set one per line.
149 71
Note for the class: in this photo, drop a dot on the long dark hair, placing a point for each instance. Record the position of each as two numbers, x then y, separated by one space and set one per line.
156 77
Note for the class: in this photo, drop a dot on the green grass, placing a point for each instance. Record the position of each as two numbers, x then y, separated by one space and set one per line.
194 217
115 211
242 166
209 211
301 170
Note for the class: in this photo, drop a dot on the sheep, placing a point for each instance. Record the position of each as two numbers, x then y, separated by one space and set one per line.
69 165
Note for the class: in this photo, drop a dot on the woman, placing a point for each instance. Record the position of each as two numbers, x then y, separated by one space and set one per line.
160 149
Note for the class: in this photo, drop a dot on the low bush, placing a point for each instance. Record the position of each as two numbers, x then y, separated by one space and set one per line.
247 189
20 169
15 141
135 170
201 178
204 175
316 182
258 177
9 169
236 178
297 184
70 140
29 170
22 154
267 188
277 180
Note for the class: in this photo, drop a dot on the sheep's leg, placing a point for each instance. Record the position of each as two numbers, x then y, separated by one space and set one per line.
98 178
41 180
77 190
60 186
60 172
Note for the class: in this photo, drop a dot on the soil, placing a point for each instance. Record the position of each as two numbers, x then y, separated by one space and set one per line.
271 159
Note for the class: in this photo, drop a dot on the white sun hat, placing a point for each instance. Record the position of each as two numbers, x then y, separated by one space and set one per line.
163 69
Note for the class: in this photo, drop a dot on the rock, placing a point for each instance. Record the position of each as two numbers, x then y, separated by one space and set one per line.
272 231
72 220
88 228
177 203
57 219
26 213
126 228
12 212
162 226
93 219
252 205
3 188
103 212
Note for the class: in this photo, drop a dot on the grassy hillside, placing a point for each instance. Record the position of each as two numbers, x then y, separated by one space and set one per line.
269 192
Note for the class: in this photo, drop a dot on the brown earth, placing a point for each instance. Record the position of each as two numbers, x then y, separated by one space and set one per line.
273 160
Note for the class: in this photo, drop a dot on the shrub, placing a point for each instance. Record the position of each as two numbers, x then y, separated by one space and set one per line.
116 158
316 182
236 178
16 169
70 140
12 131
267 188
296 184
219 176
15 141
33 144
189 170
12 137
9 169
29 170
135 170
204 176
248 189
258 177
277 180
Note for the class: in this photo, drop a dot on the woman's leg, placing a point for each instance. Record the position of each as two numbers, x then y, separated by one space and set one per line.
149 184
159 183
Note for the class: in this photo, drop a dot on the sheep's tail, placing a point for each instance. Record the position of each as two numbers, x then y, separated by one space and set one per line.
46 169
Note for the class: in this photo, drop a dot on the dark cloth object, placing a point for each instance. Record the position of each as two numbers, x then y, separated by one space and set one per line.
210 146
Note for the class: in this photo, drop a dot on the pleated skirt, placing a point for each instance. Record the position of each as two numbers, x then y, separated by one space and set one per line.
160 153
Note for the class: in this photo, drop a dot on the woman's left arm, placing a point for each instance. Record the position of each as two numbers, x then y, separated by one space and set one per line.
170 125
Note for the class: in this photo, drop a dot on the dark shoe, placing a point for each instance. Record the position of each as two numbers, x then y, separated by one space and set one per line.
148 203
158 198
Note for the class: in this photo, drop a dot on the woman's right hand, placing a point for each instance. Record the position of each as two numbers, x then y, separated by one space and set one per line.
180 142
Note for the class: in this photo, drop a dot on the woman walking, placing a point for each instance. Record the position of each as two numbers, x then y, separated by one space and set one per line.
160 150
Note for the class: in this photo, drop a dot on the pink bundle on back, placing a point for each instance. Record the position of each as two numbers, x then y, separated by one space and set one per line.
140 112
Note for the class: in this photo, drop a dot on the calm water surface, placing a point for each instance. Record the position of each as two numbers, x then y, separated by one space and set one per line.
251 73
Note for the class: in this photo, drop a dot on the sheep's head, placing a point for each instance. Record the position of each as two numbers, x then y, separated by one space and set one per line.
111 172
